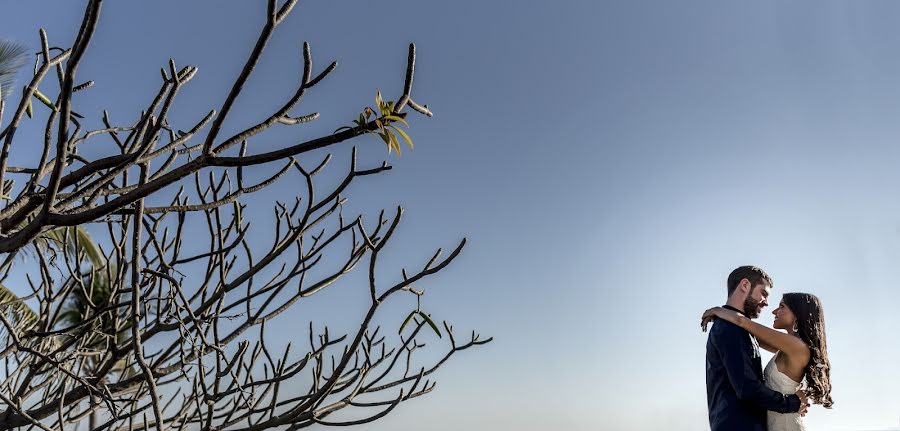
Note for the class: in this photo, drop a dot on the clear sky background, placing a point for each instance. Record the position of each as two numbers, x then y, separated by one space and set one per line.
610 163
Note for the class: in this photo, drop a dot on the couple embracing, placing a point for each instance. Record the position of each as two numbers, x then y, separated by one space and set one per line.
740 394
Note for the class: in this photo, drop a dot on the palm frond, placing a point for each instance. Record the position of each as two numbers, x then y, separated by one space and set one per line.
19 313
12 57
76 240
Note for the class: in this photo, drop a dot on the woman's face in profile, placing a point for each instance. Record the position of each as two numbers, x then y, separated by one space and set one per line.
784 317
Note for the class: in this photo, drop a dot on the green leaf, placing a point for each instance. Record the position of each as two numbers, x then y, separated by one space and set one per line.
76 240
408 318
378 101
21 314
404 135
90 248
40 96
430 323
394 142
387 141
396 118
342 128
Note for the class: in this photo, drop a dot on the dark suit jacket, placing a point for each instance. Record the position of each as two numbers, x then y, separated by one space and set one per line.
735 392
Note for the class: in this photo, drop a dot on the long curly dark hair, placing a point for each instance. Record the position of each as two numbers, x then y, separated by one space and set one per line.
811 329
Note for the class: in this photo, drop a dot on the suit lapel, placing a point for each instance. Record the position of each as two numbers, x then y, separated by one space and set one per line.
755 346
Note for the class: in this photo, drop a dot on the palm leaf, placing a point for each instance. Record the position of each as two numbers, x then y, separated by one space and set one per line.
16 309
76 240
12 57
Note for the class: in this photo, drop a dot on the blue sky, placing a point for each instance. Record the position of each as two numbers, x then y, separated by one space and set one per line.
610 163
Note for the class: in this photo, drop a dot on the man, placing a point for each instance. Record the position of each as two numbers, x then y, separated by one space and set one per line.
737 398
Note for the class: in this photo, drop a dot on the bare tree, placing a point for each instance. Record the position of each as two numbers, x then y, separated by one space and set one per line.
150 321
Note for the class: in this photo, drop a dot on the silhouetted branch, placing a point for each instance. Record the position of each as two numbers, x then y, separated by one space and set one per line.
144 314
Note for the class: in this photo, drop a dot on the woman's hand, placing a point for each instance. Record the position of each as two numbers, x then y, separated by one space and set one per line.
709 316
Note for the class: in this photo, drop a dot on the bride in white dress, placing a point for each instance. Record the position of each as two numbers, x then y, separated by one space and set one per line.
800 352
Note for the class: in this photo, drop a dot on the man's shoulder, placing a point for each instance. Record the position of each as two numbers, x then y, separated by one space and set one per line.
723 327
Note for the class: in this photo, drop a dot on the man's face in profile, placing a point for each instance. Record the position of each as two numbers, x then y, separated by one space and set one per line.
757 300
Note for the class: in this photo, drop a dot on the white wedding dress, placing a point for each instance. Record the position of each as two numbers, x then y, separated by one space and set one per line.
777 381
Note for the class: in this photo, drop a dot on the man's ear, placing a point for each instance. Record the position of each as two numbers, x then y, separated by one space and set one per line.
744 286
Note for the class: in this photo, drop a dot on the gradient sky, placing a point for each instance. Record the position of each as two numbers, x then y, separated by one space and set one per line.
610 163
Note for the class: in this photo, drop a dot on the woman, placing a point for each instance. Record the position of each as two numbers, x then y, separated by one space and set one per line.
800 352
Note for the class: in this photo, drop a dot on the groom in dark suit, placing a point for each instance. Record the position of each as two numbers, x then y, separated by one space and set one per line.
737 398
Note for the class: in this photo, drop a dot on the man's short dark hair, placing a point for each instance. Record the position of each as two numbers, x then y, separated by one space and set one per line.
754 274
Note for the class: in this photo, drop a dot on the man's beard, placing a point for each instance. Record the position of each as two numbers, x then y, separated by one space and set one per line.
751 307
